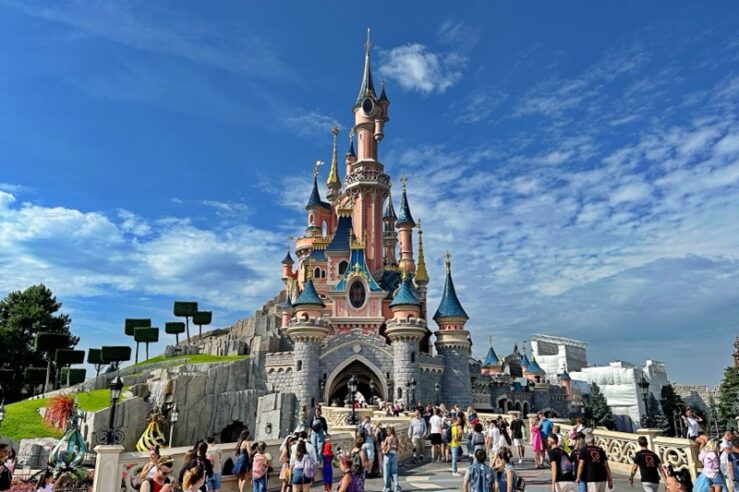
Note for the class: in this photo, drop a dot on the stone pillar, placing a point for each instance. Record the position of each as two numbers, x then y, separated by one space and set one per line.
404 337
307 336
107 467
456 386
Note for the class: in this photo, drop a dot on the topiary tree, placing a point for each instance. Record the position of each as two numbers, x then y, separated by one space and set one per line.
202 318
672 406
34 377
115 354
130 325
68 357
174 328
146 335
73 376
186 309
599 408
95 358
728 398
49 343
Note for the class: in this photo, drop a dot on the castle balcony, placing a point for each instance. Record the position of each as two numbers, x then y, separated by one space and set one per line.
367 179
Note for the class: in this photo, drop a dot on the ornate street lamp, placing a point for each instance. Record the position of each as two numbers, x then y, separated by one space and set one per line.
437 389
372 391
644 389
174 416
413 390
353 390
116 386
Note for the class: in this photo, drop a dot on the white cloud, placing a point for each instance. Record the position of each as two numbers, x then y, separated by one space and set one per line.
416 68
631 192
310 123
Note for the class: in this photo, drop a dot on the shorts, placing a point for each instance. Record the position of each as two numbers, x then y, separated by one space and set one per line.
650 486
717 480
597 486
566 486
517 441
214 482
298 478
418 445
435 439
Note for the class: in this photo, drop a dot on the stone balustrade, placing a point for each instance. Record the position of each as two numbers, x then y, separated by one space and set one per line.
115 468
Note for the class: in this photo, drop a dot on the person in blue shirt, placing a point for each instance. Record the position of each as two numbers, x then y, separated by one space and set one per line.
545 427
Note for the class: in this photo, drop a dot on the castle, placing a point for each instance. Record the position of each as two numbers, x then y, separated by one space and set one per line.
354 303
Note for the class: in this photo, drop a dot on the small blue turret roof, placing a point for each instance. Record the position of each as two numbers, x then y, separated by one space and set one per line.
318 255
286 304
389 209
449 307
288 260
340 241
351 152
405 217
533 368
524 362
405 295
315 198
565 376
357 267
309 296
491 359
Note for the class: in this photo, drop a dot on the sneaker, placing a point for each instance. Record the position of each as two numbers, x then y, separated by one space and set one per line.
520 460
455 474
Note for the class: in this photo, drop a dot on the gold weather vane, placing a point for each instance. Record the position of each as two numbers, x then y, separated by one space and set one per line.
315 168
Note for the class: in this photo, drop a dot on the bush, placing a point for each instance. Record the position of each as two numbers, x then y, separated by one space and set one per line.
131 324
76 376
185 308
67 357
117 353
174 327
146 335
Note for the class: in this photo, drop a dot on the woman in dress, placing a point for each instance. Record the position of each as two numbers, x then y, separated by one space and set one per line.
537 445
243 447
285 462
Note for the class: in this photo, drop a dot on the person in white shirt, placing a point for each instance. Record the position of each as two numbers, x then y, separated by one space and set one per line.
303 436
493 438
692 422
436 422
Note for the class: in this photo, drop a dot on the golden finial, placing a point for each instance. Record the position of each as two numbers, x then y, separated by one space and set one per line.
315 168
448 261
403 273
421 273
333 172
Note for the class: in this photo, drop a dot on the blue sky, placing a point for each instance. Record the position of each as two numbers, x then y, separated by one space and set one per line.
580 159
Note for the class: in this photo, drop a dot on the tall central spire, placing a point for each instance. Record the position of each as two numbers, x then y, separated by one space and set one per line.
368 86
333 181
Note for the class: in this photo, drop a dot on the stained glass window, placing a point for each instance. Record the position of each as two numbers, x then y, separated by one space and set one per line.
357 294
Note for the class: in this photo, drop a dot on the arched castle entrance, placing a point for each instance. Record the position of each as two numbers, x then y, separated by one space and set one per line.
364 370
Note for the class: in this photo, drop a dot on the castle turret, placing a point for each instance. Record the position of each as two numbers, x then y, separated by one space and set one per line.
307 330
351 156
405 331
389 236
565 381
319 212
491 364
452 343
287 266
333 182
524 358
405 225
534 372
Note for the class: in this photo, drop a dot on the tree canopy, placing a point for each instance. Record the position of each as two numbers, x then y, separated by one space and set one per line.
23 315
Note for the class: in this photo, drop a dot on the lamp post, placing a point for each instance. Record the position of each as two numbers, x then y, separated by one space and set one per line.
116 386
353 391
408 395
174 416
323 388
437 388
413 391
372 391
644 389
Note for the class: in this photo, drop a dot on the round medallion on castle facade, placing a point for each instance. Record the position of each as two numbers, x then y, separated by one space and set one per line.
356 348
357 294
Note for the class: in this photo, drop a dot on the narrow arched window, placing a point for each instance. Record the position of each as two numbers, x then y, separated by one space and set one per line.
400 392
317 273
300 366
343 266
413 357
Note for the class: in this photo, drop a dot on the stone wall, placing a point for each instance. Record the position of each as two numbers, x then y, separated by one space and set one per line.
276 414
456 385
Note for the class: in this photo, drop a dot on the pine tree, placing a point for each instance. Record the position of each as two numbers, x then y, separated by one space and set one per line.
599 409
655 418
728 398
672 407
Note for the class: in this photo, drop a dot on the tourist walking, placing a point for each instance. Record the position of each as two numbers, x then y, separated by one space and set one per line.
536 445
456 435
711 470
479 476
563 471
6 474
193 480
301 464
260 465
492 439
214 455
733 458
360 461
319 429
160 482
593 467
327 457
416 433
517 426
389 449
649 466
477 441
349 482
545 428
505 471
285 450
436 424
578 447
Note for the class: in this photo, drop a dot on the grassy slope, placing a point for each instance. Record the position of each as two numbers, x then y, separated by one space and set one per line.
191 359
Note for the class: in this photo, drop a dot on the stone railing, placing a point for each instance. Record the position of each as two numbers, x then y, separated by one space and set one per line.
115 469
336 417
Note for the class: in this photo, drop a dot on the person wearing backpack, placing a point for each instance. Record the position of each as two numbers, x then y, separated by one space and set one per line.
507 476
477 440
563 471
301 465
319 429
259 467
479 476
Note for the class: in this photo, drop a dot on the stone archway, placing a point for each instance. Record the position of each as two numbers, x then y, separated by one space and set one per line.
231 432
364 370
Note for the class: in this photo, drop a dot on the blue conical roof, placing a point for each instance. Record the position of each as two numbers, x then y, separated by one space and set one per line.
405 294
389 209
450 307
534 368
315 197
367 88
524 362
288 259
491 359
286 304
565 376
383 96
405 216
309 296
351 149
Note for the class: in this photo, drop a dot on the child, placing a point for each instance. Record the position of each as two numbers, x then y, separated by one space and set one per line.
709 457
328 464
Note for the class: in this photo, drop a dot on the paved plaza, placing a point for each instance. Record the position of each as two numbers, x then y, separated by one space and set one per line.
438 476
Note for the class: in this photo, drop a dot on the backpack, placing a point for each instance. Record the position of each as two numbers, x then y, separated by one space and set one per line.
317 425
259 465
478 439
481 472
242 464
357 467
565 465
309 467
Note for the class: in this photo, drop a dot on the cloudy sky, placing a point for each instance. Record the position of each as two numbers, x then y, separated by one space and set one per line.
580 160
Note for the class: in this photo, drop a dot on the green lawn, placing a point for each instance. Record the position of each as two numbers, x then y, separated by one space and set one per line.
22 421
92 401
188 359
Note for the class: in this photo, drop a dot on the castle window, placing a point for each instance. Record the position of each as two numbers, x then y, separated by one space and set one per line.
413 357
323 273
343 266
300 365
400 393
357 294
317 273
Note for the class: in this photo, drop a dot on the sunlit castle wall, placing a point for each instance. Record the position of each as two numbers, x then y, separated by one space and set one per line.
556 354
